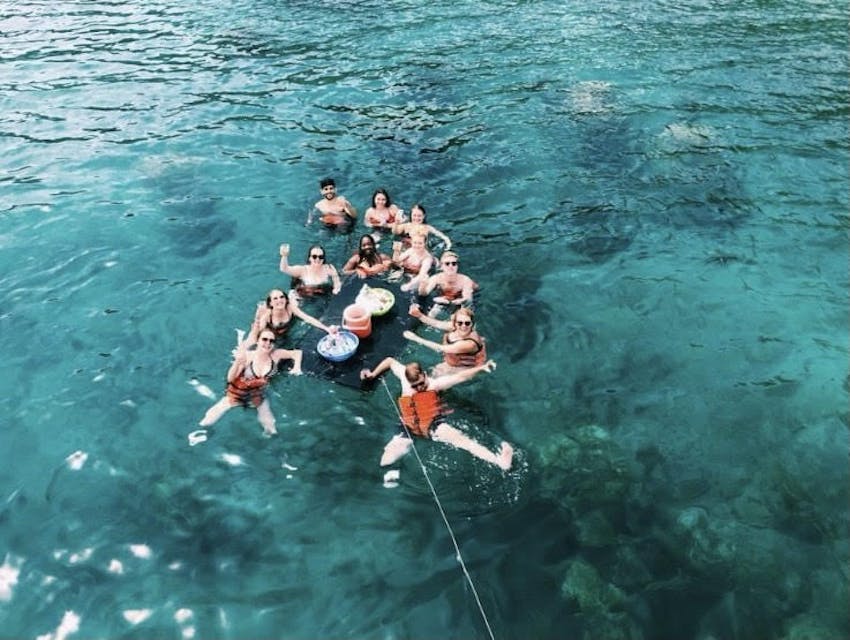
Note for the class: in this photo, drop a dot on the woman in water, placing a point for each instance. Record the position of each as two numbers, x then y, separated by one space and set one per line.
417 226
415 261
248 378
383 214
462 347
317 277
276 313
367 261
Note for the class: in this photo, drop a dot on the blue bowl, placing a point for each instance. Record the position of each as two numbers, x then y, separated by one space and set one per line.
339 347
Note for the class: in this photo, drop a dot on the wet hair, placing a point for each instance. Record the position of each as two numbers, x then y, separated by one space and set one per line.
327 182
412 371
269 298
316 246
385 194
449 254
421 208
374 258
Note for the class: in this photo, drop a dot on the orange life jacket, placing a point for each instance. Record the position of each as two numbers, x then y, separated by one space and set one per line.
247 391
419 411
472 359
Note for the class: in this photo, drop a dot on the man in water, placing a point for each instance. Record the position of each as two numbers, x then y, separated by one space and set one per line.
335 210
421 411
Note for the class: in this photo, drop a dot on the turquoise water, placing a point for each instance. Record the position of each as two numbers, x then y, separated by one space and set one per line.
654 199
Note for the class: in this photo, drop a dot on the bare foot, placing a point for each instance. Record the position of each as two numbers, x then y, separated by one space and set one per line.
506 456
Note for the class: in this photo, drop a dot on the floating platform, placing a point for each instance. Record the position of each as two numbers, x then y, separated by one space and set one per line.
385 340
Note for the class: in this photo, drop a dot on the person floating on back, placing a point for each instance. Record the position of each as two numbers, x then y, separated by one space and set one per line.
421 411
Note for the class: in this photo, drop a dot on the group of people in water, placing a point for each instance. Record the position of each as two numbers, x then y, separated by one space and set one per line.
259 353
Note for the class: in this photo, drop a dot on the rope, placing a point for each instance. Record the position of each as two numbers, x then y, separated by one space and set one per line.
458 555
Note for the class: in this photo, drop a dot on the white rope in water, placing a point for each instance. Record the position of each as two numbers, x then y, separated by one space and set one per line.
442 513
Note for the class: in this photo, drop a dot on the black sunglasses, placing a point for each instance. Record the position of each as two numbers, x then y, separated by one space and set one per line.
452 263
463 323
317 256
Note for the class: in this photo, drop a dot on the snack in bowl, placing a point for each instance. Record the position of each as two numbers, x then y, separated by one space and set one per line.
378 301
338 347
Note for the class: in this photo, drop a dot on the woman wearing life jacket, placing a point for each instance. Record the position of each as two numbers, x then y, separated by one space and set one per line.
317 277
422 413
462 347
415 261
367 261
276 314
248 378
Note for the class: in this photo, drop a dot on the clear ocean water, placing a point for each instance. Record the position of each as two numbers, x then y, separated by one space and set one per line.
654 199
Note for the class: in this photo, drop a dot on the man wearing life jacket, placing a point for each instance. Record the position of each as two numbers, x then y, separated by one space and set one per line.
422 414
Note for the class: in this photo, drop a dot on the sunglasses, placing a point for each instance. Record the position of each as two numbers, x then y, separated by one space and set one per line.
421 382
316 256
453 263
266 339
463 323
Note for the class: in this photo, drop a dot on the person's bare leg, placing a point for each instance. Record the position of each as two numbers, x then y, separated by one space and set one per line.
395 449
215 412
266 418
450 435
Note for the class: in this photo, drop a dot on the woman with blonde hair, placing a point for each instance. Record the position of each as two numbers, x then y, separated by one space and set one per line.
462 346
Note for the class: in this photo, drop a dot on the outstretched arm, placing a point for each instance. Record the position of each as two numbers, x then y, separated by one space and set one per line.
449 380
464 345
306 317
385 364
416 312
290 354
435 346
442 236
